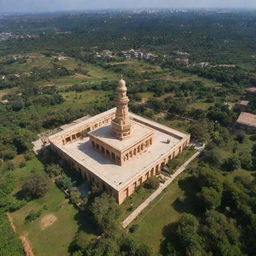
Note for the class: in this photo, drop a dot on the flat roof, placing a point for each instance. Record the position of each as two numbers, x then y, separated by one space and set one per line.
112 111
114 175
247 119
244 102
76 125
252 89
165 139
105 135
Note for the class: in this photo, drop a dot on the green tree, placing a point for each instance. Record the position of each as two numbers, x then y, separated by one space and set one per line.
82 240
152 183
189 239
232 163
212 156
199 132
36 186
210 198
65 181
221 234
53 170
246 160
106 212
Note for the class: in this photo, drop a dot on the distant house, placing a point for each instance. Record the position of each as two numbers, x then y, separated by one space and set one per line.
247 121
181 54
226 65
251 90
201 64
127 56
107 54
183 61
4 101
242 104
138 54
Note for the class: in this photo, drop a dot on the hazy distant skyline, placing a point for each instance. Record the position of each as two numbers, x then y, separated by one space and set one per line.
62 5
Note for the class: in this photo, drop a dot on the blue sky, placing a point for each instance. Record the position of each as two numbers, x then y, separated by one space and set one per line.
59 5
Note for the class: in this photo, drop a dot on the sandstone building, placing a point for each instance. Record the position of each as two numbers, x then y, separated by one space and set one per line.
118 150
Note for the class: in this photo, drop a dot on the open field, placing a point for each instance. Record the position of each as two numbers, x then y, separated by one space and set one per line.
6 91
158 214
139 66
55 236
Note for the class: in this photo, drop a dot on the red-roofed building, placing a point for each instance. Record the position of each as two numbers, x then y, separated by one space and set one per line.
247 120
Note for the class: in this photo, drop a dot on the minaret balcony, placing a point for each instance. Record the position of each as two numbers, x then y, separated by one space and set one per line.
121 127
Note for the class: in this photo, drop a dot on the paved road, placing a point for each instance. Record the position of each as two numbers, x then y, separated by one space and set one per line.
169 180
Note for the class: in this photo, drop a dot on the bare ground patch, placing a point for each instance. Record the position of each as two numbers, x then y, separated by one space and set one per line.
47 221
26 246
79 75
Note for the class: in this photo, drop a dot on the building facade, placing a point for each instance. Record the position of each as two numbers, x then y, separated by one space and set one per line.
118 150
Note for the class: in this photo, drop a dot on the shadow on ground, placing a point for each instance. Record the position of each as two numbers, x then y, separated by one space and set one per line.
185 204
189 202
86 225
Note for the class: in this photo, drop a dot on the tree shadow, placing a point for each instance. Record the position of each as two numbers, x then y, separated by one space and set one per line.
189 203
47 157
21 195
85 224
169 232
185 204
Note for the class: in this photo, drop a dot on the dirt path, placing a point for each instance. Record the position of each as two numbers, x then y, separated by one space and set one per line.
26 246
24 240
11 222
155 194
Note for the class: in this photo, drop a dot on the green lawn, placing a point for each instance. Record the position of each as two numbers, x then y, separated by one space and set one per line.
55 239
133 201
161 212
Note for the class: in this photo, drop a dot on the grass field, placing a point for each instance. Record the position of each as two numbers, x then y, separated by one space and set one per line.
133 201
139 66
161 212
56 238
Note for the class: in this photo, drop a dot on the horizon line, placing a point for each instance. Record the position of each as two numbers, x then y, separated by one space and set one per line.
131 9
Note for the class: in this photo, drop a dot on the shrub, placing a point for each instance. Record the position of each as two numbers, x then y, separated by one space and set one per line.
65 182
246 160
152 183
33 215
253 137
232 163
36 186
133 228
53 170
82 240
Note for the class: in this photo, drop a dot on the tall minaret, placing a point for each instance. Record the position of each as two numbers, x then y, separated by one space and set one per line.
122 125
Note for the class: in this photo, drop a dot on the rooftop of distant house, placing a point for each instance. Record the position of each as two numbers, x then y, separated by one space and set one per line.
247 119
251 90
243 103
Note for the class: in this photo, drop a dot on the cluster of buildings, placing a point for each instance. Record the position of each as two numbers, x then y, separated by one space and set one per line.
8 35
129 54
183 59
246 120
116 149
138 54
